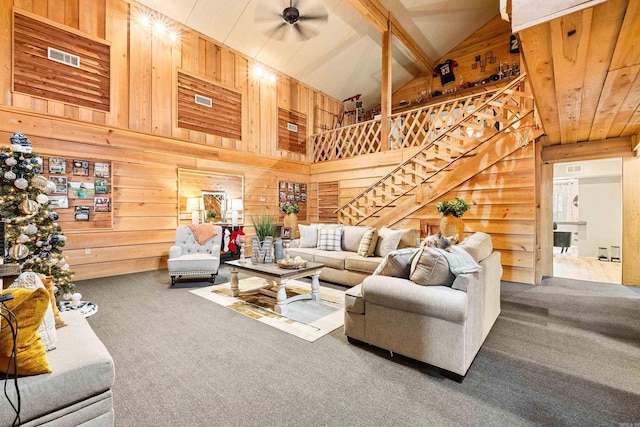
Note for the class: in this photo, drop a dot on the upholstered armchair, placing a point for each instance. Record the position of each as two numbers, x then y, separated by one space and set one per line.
195 254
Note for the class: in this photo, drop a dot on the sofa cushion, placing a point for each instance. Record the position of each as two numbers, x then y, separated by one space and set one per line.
362 264
368 242
304 253
478 245
388 241
409 238
430 268
308 236
352 236
332 259
404 295
353 300
29 307
396 264
330 238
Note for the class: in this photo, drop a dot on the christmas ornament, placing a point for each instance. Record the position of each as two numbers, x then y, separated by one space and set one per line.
21 183
11 161
10 175
37 161
39 243
31 229
39 182
29 207
42 198
50 188
20 143
23 238
53 215
18 251
66 296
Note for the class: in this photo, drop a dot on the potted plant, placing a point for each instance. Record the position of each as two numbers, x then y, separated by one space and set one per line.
451 222
211 216
291 211
265 225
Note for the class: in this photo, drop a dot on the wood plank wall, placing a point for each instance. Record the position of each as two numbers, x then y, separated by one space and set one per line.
140 136
501 201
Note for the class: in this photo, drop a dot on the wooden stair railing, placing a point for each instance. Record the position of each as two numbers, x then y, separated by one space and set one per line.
410 128
469 135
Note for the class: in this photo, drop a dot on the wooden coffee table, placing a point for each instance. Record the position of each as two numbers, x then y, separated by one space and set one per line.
279 277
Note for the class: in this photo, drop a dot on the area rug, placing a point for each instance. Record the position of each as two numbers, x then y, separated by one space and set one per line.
305 319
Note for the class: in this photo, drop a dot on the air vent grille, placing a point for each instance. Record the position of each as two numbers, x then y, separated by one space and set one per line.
63 57
574 169
203 100
292 127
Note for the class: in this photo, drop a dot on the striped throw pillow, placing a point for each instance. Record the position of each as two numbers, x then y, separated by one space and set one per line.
368 243
329 239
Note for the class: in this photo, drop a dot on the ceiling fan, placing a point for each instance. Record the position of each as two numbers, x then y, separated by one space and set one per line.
291 20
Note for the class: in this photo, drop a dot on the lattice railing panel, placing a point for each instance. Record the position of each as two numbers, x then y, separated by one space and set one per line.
411 128
500 112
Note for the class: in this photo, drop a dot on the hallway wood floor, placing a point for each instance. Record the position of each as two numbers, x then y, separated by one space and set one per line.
581 268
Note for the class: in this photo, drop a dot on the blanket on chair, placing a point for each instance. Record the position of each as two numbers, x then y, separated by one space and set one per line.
459 261
202 232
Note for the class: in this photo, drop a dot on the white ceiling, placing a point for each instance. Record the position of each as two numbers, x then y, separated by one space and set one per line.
344 57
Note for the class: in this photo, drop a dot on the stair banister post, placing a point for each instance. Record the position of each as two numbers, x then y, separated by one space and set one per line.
385 101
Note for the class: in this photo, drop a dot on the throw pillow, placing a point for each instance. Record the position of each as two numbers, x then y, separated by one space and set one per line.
430 268
368 243
388 241
47 329
308 236
396 264
29 307
329 239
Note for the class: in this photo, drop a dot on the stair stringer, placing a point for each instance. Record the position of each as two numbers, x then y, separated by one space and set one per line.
487 155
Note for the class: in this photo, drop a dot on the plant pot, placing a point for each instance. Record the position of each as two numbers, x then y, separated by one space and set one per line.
291 221
451 225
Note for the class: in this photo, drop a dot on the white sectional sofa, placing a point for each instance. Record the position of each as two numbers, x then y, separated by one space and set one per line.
344 265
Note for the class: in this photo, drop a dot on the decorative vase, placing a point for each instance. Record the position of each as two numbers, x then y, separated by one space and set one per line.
278 250
291 221
451 225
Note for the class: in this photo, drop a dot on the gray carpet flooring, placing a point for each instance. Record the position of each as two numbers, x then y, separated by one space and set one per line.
563 353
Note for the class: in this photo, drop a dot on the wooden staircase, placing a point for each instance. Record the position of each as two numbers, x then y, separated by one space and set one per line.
453 153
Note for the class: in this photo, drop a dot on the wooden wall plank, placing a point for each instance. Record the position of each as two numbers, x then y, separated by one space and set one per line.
630 221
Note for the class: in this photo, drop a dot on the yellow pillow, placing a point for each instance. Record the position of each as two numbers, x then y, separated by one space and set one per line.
29 307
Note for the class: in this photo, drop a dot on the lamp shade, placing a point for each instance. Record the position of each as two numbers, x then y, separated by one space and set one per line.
194 204
236 205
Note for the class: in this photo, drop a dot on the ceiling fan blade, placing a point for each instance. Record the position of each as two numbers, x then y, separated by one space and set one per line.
304 31
278 33
321 17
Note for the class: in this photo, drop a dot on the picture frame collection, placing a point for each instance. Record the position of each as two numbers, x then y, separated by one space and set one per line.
83 186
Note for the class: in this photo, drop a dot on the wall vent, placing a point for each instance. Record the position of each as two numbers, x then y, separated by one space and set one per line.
574 169
203 100
292 127
63 57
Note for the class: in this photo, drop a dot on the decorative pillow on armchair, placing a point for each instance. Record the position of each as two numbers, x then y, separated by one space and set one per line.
396 264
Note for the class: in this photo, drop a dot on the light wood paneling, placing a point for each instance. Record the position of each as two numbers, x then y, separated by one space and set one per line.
289 140
630 221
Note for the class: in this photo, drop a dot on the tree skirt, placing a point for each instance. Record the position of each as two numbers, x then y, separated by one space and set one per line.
87 308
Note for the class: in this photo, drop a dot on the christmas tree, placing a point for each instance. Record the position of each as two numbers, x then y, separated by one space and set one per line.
33 237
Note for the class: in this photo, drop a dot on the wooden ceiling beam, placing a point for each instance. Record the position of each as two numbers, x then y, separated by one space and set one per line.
374 12
589 150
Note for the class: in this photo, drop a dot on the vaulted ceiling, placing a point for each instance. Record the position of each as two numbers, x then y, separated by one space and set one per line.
343 55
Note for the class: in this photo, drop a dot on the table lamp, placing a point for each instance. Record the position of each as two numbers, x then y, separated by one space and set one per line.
236 205
195 205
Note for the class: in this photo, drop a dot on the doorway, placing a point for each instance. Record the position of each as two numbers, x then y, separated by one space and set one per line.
587 215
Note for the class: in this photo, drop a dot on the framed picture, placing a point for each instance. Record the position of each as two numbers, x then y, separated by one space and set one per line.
61 184
81 190
81 167
101 186
474 66
101 170
57 165
286 233
58 202
488 54
81 213
102 204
